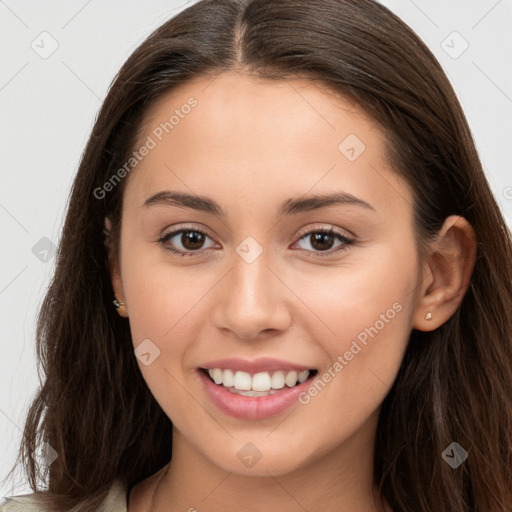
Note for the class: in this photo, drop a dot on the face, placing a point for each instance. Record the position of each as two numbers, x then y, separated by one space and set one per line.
271 302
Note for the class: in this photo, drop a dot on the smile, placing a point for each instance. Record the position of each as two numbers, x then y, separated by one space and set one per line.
259 384
254 390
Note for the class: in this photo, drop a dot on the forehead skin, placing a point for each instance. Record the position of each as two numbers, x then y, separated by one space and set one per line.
259 142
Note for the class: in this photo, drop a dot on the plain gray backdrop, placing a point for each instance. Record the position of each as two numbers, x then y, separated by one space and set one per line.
58 58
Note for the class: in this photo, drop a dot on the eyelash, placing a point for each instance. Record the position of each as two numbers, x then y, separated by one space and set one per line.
345 240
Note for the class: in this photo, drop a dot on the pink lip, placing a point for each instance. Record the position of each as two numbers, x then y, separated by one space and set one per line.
248 407
263 364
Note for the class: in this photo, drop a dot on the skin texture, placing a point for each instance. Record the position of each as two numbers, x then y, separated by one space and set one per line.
251 144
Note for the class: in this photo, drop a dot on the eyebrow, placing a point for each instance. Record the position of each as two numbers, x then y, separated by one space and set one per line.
288 207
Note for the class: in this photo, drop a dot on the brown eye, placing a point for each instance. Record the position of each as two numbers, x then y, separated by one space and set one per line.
322 241
186 242
192 239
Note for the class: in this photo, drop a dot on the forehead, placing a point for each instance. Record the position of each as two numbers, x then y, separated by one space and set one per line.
260 107
240 136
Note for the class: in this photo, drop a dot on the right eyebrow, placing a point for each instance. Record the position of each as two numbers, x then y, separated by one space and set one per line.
173 198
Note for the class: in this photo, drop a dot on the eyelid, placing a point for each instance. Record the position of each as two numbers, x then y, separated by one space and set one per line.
187 227
326 227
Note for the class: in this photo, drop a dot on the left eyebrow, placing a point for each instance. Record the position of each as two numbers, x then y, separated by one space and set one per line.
288 207
314 202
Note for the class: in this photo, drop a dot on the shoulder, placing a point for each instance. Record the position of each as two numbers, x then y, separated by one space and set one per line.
115 501
26 503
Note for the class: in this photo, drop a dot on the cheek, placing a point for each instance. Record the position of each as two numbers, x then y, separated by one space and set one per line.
369 307
159 296
162 301
158 292
164 305
374 291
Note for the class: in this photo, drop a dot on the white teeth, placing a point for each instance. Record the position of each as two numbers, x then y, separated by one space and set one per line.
259 384
228 379
278 380
242 381
291 379
252 393
303 376
218 376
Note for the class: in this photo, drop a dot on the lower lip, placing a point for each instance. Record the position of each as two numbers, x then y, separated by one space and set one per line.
250 407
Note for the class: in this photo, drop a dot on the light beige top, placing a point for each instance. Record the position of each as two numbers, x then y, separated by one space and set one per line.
116 501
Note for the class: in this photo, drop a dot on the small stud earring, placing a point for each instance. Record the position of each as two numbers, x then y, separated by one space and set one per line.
118 304
428 316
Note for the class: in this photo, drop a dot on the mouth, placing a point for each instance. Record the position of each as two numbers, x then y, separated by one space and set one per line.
255 395
258 384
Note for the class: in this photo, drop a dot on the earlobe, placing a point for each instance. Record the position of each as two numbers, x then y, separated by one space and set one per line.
115 275
450 265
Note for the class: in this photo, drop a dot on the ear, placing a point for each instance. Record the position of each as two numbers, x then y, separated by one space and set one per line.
115 273
447 273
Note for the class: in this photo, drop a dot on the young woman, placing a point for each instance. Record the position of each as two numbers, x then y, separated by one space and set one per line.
310 276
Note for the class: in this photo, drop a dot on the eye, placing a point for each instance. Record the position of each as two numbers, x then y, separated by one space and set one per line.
189 241
323 240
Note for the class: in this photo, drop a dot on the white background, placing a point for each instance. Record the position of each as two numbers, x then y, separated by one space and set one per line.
48 106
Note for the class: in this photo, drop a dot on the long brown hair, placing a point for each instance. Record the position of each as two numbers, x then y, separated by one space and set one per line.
94 408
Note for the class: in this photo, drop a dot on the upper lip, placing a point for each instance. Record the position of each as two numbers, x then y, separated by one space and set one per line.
263 364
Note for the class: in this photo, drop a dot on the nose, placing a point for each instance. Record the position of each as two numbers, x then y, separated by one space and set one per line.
252 300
